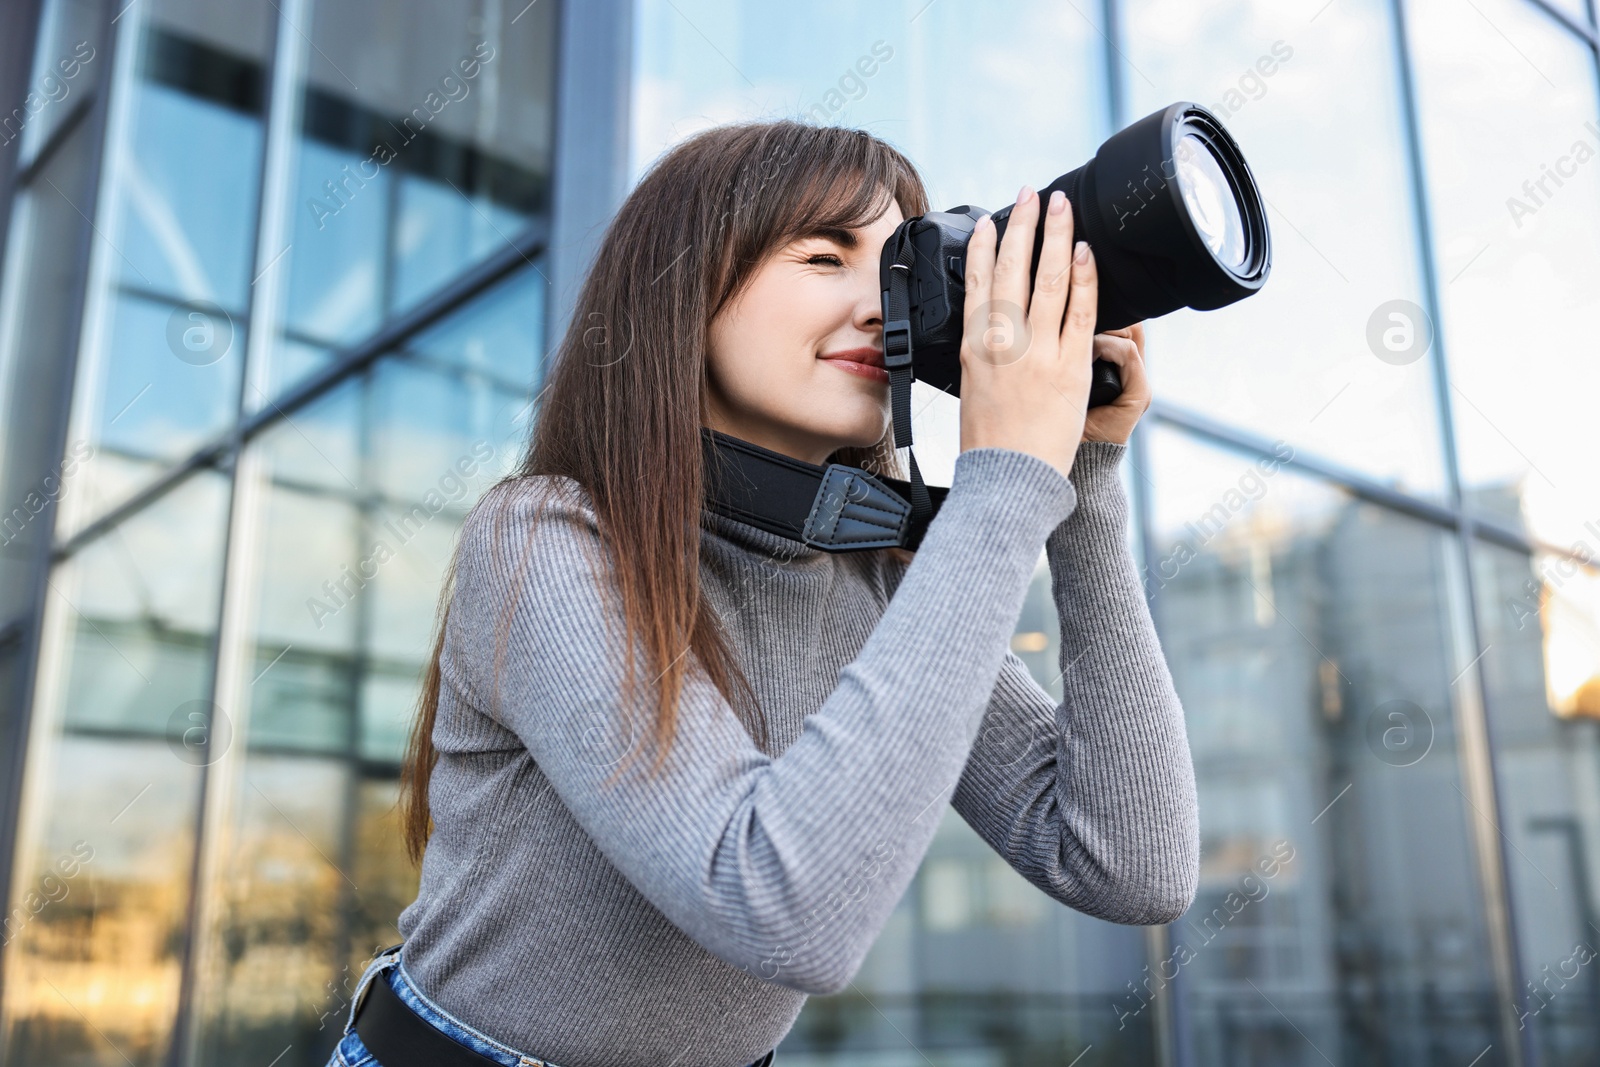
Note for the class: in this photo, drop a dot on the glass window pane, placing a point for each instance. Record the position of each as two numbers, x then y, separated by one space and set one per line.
122 730
494 341
417 153
1578 10
1339 917
1511 130
977 966
169 296
1315 105
1539 621
357 500
975 134
67 66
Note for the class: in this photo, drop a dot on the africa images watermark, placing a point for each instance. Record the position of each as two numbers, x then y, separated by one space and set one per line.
455 89
820 916
1253 889
53 888
1580 956
1250 486
452 488
1566 166
1554 572
1252 81
1147 189
50 487
852 84
52 90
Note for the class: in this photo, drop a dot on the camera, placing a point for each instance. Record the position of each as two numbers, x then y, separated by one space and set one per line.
1175 220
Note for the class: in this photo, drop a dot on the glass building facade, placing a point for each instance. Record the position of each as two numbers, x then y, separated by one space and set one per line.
278 282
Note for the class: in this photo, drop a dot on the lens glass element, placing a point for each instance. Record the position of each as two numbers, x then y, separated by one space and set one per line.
1210 200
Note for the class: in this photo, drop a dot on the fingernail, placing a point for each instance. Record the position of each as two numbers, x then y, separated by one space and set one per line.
983 220
1058 201
1080 252
1023 194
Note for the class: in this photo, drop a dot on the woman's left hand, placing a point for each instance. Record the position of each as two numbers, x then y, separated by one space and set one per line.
1115 421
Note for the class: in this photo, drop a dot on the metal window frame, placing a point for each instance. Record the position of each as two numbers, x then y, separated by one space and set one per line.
27 630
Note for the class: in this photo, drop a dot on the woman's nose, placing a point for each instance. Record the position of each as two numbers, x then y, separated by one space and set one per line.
869 308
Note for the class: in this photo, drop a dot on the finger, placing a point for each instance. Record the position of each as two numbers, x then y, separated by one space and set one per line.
1049 299
1129 362
1083 298
1135 382
979 279
1013 265
1114 348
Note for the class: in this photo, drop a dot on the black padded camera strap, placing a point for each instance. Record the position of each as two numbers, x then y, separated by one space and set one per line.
837 508
897 360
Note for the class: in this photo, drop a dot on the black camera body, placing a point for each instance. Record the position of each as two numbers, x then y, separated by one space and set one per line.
938 289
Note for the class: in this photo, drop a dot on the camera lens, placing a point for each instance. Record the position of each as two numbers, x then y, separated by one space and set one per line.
1212 203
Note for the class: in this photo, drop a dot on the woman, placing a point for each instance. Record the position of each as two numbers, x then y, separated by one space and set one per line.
584 907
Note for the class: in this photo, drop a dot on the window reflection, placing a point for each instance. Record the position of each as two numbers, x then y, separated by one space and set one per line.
1539 622
416 155
980 966
981 98
1578 11
1314 104
1516 250
122 730
358 500
160 370
68 62
1308 636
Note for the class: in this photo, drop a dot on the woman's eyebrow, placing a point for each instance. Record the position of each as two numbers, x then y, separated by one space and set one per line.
838 235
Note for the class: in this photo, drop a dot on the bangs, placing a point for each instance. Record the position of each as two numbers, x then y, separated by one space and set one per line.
836 197
799 180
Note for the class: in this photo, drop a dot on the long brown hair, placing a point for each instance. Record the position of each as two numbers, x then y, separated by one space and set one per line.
622 409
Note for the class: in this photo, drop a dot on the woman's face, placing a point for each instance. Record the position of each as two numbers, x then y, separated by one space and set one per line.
777 375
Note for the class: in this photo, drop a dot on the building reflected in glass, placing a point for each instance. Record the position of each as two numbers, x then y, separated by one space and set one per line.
277 286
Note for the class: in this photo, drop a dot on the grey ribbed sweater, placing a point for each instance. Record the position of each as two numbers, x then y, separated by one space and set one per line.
681 921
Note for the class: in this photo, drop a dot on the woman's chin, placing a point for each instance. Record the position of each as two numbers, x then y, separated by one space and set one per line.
863 432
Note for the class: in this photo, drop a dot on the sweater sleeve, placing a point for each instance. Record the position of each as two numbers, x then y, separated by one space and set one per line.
786 867
1093 800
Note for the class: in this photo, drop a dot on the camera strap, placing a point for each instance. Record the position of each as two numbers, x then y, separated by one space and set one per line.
834 507
897 360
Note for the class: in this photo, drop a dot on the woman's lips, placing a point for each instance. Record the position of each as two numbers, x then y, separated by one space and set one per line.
861 370
864 362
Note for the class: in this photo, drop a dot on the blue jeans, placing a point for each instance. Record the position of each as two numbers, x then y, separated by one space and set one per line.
388 967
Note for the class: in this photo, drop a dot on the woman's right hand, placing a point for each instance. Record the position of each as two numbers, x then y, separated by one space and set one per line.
1025 373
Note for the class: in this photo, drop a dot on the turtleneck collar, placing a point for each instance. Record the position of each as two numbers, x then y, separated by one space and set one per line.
754 539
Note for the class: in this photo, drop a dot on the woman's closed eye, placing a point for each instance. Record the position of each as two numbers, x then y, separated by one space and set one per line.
831 259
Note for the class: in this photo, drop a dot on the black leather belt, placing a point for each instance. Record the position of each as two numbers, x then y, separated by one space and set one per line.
399 1037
